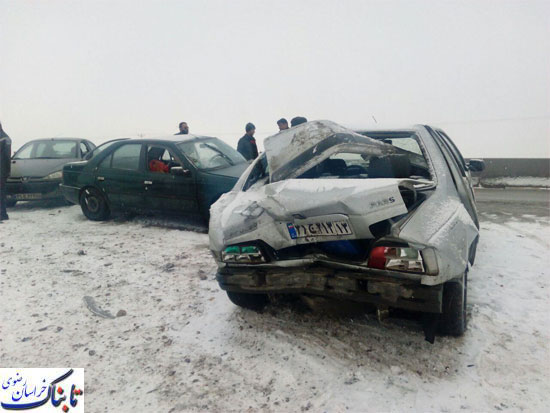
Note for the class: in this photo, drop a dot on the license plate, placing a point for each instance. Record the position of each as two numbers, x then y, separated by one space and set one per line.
22 197
319 229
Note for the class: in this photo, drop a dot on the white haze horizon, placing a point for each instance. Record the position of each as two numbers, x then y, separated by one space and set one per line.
107 69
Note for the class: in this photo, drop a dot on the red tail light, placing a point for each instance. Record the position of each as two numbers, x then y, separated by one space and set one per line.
377 258
396 259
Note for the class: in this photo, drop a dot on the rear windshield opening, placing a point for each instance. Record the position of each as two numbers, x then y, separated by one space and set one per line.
407 162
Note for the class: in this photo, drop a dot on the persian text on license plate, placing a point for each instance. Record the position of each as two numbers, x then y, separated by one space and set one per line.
319 229
27 196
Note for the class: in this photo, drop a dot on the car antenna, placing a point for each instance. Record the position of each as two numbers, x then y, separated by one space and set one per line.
375 121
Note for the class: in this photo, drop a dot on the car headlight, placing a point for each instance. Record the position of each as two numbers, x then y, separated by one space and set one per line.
245 254
55 175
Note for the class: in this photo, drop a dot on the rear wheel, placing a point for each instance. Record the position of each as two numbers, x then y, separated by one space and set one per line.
10 203
255 302
94 205
453 318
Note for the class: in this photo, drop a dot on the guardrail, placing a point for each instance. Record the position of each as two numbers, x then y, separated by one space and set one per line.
518 172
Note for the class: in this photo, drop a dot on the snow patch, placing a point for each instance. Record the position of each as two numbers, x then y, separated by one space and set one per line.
517 181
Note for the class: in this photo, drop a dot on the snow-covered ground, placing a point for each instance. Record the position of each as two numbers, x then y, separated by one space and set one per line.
180 345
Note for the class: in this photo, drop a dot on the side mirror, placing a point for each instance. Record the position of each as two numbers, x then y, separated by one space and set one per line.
179 171
476 165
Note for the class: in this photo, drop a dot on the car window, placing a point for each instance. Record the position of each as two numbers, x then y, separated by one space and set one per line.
259 172
464 192
210 153
407 162
84 150
48 150
454 151
127 157
160 159
25 152
101 148
56 150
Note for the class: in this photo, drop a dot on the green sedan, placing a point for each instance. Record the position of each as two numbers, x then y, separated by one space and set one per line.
174 175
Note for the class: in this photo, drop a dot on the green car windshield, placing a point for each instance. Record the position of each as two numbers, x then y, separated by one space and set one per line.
210 153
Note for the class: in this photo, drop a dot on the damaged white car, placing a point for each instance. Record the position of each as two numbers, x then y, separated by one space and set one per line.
386 217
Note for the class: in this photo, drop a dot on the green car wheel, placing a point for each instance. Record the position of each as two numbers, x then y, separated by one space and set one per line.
94 205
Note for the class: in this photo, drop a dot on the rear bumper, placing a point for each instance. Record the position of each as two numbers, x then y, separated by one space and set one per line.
33 190
70 193
351 285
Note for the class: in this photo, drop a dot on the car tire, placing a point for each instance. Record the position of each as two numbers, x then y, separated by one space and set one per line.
453 317
94 205
255 302
10 203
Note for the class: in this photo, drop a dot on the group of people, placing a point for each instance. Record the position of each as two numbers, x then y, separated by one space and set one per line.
247 144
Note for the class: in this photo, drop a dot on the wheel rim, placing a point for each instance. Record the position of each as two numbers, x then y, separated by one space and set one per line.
92 203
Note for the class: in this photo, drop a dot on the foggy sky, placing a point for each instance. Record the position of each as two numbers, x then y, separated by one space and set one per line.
104 69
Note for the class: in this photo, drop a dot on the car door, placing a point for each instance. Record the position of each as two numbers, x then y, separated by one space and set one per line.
169 190
457 167
464 169
122 177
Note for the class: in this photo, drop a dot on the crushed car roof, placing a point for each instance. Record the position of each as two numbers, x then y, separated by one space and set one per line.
302 146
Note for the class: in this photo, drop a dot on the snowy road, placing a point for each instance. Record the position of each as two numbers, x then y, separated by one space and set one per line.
183 346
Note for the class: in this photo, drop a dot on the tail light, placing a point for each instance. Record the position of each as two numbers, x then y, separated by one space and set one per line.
248 254
396 259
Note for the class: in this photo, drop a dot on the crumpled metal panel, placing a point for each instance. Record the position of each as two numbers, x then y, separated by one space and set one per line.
289 150
440 224
264 213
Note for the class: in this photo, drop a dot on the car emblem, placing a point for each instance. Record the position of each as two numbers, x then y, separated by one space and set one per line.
24 179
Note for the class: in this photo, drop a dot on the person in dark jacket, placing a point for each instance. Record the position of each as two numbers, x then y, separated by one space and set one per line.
247 144
298 120
184 129
282 124
5 168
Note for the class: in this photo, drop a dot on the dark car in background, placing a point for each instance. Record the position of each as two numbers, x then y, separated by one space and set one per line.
36 168
174 175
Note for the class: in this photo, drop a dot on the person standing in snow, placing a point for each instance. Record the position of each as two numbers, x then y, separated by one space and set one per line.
5 168
184 129
282 124
247 144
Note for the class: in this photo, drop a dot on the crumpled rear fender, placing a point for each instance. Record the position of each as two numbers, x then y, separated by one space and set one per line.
443 225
